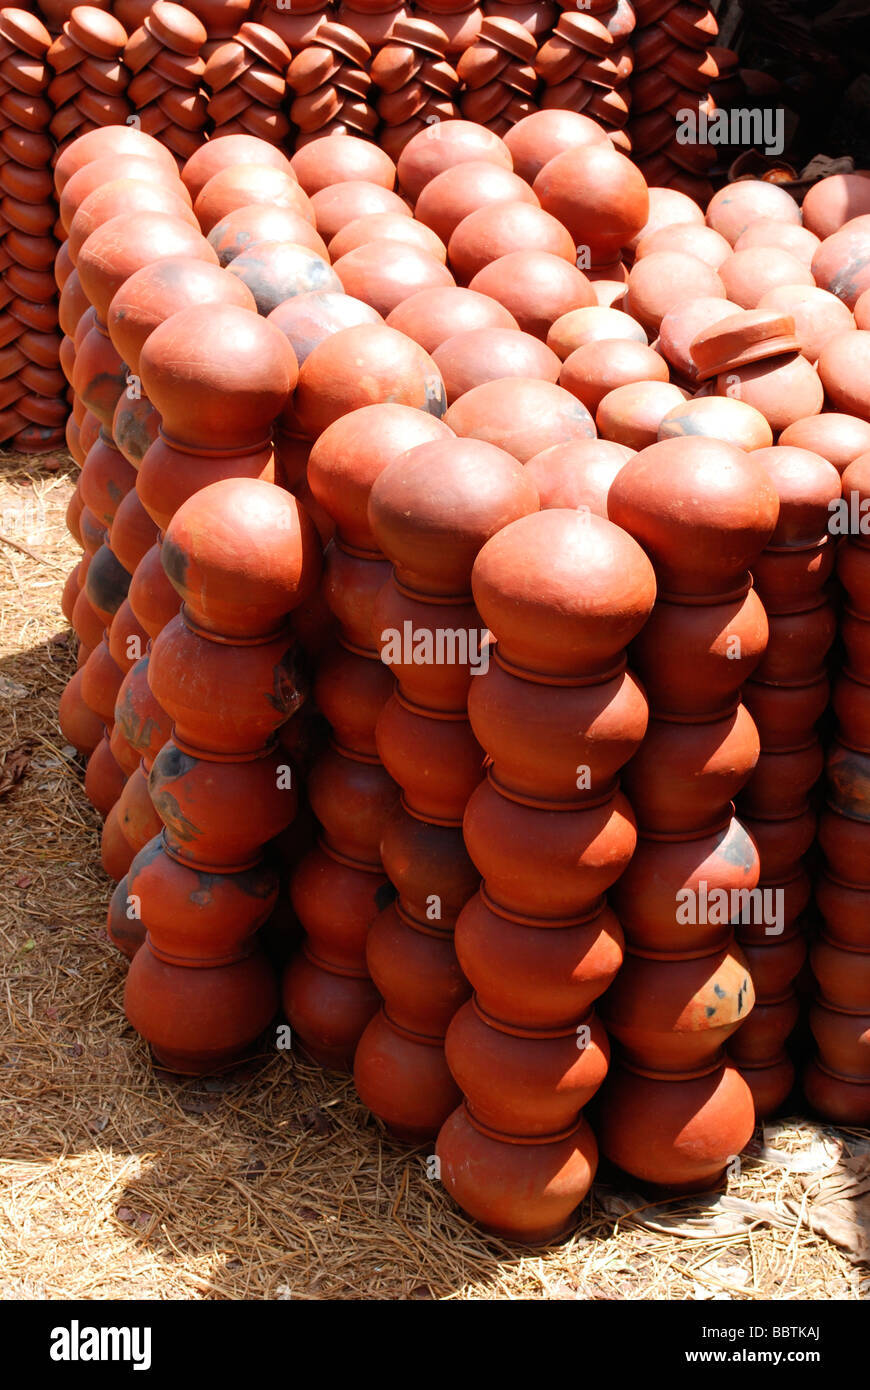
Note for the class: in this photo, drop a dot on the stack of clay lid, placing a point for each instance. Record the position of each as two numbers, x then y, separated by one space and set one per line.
55 13
165 56
498 75
90 80
416 84
222 18
372 20
33 406
587 64
462 26
245 79
538 16
296 26
674 71
330 85
727 89
752 335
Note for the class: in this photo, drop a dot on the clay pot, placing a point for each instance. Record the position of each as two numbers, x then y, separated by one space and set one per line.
98 172
687 239
351 584
125 243
842 262
395 369
792 577
597 194
786 715
339 204
834 200
806 484
843 906
838 438
318 164
725 536
121 197
435 758
842 1037
593 324
539 137
736 206
99 376
127 637
336 902
497 230
843 839
384 274
577 475
535 286
274 271
675 1130
432 316
520 416
416 855
238 231
307 319
132 532
432 647
719 417
441 147
350 691
104 779
386 226
686 774
157 291
198 1020
844 369
680 326
663 279
168 477
328 1011
748 275
112 140
458 191
491 354
841 1099
79 725
817 315
242 185
632 414
782 780
403 1078
782 842
143 723
595 369
352 796
106 478
843 975
217 372
415 969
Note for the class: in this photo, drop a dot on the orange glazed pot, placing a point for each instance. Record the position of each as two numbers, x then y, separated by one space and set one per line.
537 974
519 1190
198 1020
403 1078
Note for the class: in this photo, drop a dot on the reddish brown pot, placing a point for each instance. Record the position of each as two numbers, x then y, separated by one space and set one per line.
276 270
123 196
306 319
729 527
106 584
415 969
797 644
737 205
686 773
593 324
686 238
838 438
577 475
682 324
665 278
141 720
242 553
432 316
660 892
520 1082
332 385
579 851
492 231
853 571
135 427
101 681
350 690
352 797
319 164
843 976
87 625
125 243
806 485
718 417
537 974
784 389
429 866
774 963
238 231
837 1098
351 583
672 1014
137 819
340 203
110 140
336 903
446 628
786 715
106 478
226 697
782 841
151 596
437 148
435 758
491 354
844 369
99 376
126 932
456 192
632 415
116 852
598 194
550 630
242 185
224 152
384 274
416 522
539 137
843 905
556 742
327 1011
199 1020
98 172
535 286
521 416
847 769
855 632
592 371
404 1079
843 1039
842 262
198 799
104 779
782 779
133 532
675 1131
762 1038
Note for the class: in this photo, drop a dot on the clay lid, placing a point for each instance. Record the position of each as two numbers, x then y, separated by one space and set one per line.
147 86
421 34
102 109
265 44
439 76
64 87
26 109
481 63
311 68
511 36
344 41
314 109
586 32
609 72
358 115
395 64
139 49
750 336
622 21
692 68
226 104
64 53
651 47
557 59
609 107
184 109
264 122
571 95
184 69
650 11
726 59
224 64
485 103
355 81
693 25
25 31
651 89
106 74
176 27
397 107
520 77
97 32
262 83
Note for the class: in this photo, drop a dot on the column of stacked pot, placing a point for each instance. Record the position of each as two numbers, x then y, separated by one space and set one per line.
673 71
338 889
89 87
498 75
416 84
675 1111
587 65
245 77
559 714
787 696
241 553
431 511
165 57
33 407
331 82
837 1080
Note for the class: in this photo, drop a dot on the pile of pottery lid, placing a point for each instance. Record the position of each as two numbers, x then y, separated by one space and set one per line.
33 407
487 828
90 79
416 84
587 65
498 75
246 79
331 83
164 53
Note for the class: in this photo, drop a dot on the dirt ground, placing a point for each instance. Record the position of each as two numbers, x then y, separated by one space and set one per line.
272 1181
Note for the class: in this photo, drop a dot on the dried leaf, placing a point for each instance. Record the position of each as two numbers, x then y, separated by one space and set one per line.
14 765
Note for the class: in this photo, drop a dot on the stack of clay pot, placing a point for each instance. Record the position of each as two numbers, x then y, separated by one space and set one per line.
587 64
165 56
245 76
296 25
837 1081
786 697
89 87
416 84
562 593
241 553
33 407
675 1110
431 511
673 71
498 75
331 82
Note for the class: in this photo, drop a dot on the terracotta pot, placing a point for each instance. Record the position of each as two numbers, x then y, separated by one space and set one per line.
386 226
786 715
352 797
782 779
243 228
842 262
599 196
524 1192
495 230
833 201
577 475
223 153
579 851
153 599
843 1100
675 1014
169 477
661 891
122 197
432 316
127 638
336 902
414 967
632 415
106 479
241 553
592 371
536 287
521 416
436 149
106 585
843 1039
736 206
749 274
137 819
395 369
433 757
125 932
157 291
686 773
718 417
318 164
782 841
144 725
275 271
521 1082
351 584
404 1079
817 314
539 137
241 185
491 354
688 239
110 140
593 324
384 274
307 319
125 243
681 325
784 389
104 779
843 906
134 427
763 1036
328 1011
797 644
350 690
725 536
458 191
843 975
844 369
341 203
853 572
199 1020
418 854
838 438
99 376
662 279
101 680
